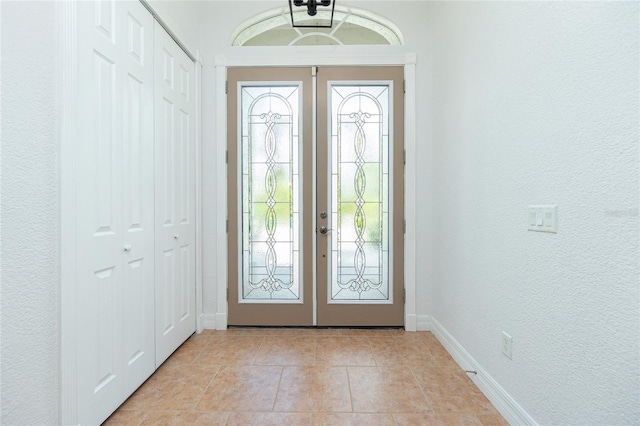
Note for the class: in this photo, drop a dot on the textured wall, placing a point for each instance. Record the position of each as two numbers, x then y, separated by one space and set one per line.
537 103
30 332
183 18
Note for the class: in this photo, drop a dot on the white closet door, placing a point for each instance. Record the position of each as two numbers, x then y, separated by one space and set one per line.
137 26
175 195
114 181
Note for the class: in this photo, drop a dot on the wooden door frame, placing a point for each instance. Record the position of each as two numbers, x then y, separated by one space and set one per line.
314 56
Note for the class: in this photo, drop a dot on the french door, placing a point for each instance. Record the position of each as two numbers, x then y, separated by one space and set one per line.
315 196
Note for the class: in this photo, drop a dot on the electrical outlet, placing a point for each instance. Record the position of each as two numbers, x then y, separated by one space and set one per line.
507 345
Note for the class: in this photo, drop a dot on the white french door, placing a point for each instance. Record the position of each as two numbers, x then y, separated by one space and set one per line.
360 196
351 232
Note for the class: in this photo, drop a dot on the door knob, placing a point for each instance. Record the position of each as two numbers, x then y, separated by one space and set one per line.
324 230
175 237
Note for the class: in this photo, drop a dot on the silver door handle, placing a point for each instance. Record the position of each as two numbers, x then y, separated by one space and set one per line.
324 230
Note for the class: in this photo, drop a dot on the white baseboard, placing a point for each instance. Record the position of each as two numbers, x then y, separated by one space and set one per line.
503 402
221 321
423 323
200 323
410 322
209 321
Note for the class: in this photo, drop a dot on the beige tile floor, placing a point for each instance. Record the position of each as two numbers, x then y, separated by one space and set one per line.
250 376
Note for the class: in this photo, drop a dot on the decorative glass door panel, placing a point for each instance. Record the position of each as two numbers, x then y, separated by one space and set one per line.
270 193
359 171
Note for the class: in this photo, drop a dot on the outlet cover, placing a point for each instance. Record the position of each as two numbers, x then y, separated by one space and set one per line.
507 345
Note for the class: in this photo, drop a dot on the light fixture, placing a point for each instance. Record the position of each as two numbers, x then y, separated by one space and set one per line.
312 10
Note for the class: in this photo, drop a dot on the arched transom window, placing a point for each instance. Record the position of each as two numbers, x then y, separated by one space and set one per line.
350 26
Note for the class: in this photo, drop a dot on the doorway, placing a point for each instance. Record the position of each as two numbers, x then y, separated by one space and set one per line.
315 196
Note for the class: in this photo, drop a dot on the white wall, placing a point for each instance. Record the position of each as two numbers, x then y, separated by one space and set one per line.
183 18
30 333
218 20
537 103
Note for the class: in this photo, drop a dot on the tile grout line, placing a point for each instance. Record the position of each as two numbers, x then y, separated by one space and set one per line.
422 390
255 356
199 352
144 417
202 394
275 400
349 383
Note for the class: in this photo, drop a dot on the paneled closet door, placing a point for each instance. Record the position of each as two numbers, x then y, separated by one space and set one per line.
175 195
115 216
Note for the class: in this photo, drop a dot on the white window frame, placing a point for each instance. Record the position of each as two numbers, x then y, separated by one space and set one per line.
275 18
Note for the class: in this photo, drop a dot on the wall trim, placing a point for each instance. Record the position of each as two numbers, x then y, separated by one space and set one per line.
221 321
410 191
424 323
316 56
198 196
410 321
209 321
504 403
67 127
221 196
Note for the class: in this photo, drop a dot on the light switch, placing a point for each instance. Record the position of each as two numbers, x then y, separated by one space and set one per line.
543 218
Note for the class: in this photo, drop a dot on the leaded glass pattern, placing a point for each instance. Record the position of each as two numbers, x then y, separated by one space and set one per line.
359 171
270 193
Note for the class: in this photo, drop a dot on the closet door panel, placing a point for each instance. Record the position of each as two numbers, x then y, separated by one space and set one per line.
99 229
137 192
115 208
175 195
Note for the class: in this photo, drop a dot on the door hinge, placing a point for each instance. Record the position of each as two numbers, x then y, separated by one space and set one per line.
404 86
404 295
227 226
404 225
227 294
404 157
226 157
226 87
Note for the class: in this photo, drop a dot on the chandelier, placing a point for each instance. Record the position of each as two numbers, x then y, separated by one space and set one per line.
312 10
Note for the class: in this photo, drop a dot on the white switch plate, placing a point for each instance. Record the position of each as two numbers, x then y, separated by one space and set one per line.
543 218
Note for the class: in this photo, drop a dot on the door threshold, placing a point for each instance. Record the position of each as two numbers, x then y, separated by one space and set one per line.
315 327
